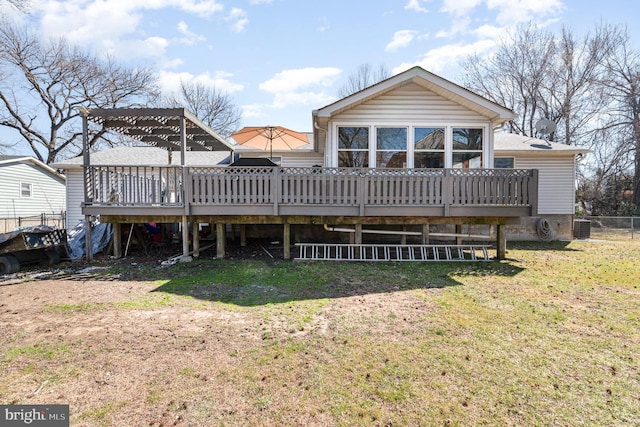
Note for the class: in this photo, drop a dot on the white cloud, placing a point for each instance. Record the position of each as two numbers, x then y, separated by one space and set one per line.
172 63
170 81
239 18
114 25
437 60
254 110
515 11
509 12
190 38
202 8
489 32
460 7
459 26
260 1
401 39
415 5
304 86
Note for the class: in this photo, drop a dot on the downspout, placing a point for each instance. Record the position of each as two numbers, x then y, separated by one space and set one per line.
316 140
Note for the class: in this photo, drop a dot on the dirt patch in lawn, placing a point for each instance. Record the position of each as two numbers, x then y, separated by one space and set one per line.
120 352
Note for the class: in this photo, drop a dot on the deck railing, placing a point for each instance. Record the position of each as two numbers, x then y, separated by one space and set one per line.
135 185
342 186
238 186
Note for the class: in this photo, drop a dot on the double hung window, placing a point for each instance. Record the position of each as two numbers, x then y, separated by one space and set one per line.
25 190
353 147
428 147
391 147
467 148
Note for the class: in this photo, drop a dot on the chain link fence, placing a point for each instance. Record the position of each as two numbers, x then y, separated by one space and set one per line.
52 220
623 227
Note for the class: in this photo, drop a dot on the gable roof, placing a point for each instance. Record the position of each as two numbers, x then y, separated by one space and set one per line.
8 160
495 112
146 156
511 143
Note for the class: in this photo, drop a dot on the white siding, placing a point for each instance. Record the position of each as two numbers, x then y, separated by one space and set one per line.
296 160
410 103
556 182
47 191
75 197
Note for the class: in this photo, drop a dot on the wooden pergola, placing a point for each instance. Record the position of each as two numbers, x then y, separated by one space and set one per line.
173 129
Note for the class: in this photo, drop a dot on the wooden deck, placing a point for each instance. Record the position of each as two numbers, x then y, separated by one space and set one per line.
272 191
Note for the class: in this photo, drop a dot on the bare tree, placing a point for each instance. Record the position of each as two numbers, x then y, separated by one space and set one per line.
362 78
623 88
589 86
539 75
214 108
46 82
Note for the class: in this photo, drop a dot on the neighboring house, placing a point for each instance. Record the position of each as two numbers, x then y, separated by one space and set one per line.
30 188
408 153
149 159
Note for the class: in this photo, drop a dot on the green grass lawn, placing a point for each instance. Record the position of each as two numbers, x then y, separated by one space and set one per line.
550 336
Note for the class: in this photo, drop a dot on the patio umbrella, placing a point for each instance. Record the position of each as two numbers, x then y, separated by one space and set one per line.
270 138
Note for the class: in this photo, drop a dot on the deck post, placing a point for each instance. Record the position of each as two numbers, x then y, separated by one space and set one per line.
501 243
243 235
185 240
357 237
86 161
458 231
220 241
117 240
286 240
425 234
88 230
196 239
358 234
403 236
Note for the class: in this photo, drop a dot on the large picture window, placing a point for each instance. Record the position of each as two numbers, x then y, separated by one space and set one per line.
467 148
353 147
428 147
391 147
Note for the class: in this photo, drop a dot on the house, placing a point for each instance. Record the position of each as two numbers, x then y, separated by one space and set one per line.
556 165
411 152
31 191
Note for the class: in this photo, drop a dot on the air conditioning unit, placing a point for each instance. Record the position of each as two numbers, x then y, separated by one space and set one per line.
581 229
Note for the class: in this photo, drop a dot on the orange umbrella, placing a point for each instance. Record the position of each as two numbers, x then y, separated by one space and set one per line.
270 138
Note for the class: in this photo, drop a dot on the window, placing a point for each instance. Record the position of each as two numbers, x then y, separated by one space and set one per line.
503 162
467 148
391 147
428 148
353 147
25 190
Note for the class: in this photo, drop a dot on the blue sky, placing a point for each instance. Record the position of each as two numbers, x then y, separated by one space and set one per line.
280 59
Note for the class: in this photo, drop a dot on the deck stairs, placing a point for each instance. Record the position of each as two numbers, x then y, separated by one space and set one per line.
391 252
